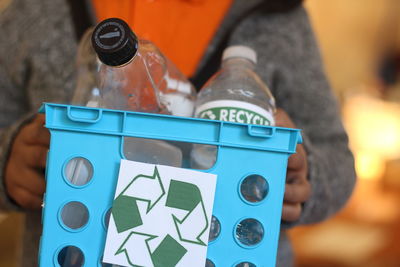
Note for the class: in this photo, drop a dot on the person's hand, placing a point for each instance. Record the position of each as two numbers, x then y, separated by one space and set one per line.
24 172
298 188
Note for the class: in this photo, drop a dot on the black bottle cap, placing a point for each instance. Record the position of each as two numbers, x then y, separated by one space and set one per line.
114 42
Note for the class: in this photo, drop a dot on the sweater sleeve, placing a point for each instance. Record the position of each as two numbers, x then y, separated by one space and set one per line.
290 64
7 135
15 113
37 64
14 98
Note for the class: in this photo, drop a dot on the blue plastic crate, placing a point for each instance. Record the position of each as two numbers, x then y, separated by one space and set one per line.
97 135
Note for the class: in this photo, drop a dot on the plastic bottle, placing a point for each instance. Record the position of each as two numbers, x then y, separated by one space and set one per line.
236 94
116 70
236 86
119 71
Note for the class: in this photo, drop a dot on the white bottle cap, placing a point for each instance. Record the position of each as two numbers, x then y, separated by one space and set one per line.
240 51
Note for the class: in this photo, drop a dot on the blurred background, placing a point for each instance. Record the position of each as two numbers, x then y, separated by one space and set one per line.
360 45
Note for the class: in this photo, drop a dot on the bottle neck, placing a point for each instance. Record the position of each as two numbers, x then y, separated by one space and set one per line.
238 62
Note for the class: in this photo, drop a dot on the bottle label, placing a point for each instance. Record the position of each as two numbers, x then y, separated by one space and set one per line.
235 111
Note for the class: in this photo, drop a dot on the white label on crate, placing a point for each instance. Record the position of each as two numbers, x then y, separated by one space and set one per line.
160 216
235 111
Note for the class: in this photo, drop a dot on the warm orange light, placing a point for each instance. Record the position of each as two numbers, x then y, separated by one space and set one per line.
369 165
373 126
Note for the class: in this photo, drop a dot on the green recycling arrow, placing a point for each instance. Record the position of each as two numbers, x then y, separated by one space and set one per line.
125 210
126 213
187 196
168 253
133 245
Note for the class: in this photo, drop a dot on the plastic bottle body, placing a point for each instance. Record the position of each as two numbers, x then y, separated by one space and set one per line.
87 65
238 88
235 94
147 83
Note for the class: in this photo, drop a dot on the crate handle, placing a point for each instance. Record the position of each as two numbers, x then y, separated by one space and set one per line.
83 114
261 131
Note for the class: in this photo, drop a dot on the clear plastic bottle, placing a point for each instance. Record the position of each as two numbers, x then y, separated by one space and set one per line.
235 89
116 70
87 91
236 94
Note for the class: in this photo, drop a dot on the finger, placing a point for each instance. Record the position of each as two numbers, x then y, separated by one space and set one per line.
282 119
34 156
291 212
26 199
297 192
29 179
40 118
35 133
298 160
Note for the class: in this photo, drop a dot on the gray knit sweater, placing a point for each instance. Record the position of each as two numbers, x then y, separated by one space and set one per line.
37 51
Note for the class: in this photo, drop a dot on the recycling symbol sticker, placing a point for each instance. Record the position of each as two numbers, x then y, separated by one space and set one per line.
160 216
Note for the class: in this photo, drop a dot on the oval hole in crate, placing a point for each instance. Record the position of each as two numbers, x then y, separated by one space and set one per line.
107 216
215 229
254 188
245 264
78 171
209 263
74 215
70 256
249 232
